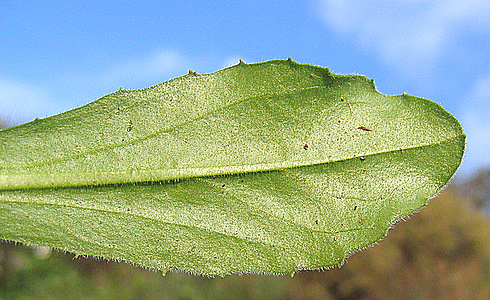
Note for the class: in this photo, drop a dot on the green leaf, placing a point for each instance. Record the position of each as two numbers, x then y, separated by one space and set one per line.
271 168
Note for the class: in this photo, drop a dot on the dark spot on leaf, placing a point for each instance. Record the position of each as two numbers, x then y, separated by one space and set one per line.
355 207
364 128
363 158
316 222
223 185
305 147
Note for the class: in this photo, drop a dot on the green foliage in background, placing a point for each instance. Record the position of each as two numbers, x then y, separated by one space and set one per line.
269 168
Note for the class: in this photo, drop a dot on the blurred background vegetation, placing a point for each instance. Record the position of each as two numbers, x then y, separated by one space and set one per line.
442 252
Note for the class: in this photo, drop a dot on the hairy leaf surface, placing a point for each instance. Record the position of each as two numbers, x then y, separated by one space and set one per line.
269 168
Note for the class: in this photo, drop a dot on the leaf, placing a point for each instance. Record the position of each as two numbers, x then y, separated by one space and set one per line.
270 168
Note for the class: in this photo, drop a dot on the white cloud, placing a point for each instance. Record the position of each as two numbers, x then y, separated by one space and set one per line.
155 66
22 102
233 60
476 123
410 34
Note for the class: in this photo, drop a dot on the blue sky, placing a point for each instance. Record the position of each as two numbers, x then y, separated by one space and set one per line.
57 55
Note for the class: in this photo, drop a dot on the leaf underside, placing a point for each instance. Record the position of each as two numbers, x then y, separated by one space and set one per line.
264 168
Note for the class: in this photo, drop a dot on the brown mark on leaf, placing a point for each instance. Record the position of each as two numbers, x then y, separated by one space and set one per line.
348 103
364 128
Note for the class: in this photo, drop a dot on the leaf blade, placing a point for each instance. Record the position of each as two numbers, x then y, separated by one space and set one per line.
164 154
294 216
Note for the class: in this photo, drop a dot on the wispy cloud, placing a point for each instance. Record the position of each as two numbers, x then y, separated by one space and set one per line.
154 66
233 60
22 102
410 34
476 123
